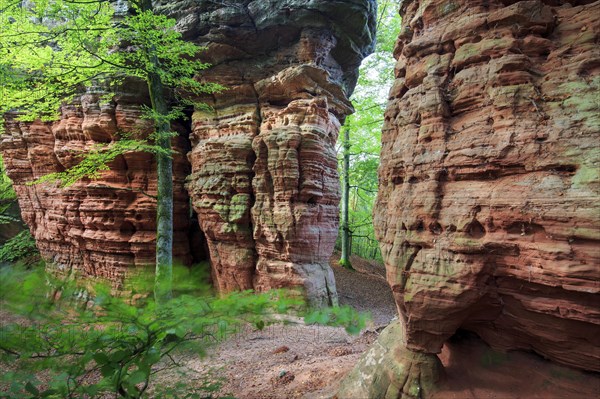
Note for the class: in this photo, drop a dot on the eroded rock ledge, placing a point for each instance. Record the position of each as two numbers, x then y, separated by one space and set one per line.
102 227
263 168
488 213
264 171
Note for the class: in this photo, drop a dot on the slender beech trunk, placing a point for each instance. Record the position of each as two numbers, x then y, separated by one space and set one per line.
163 279
345 259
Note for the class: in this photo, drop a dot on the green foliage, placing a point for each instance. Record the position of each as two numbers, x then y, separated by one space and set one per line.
42 57
8 197
345 316
50 51
61 347
54 50
22 245
60 340
96 161
370 97
19 247
7 193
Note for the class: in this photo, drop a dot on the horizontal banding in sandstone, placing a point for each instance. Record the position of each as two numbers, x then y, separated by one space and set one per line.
487 212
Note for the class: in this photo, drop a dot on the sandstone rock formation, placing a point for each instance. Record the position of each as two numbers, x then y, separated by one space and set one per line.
264 171
488 214
263 165
100 227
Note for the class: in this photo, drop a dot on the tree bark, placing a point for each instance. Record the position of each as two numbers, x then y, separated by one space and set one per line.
163 279
345 258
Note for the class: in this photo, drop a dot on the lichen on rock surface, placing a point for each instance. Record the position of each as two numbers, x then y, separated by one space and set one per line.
487 213
261 171
264 169
389 370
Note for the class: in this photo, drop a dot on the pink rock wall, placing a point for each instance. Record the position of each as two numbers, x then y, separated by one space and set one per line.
488 213
264 171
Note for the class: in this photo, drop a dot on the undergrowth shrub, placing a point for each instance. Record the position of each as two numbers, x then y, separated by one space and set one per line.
19 247
59 340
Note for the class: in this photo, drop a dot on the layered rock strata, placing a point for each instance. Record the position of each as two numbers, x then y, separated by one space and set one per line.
263 165
101 227
488 214
264 171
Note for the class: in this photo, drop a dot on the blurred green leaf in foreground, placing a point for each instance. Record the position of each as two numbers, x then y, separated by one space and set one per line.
62 340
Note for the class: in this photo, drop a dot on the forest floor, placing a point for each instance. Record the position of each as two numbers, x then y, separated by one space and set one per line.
308 361
303 361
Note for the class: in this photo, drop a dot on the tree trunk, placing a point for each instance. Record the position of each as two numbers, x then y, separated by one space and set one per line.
163 279
164 210
345 258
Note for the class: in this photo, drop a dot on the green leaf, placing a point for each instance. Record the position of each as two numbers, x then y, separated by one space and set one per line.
108 369
49 393
260 325
32 389
353 329
137 377
222 325
180 331
152 357
100 358
117 356
15 387
310 318
91 390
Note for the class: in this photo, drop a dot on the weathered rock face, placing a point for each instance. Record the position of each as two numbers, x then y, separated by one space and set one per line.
390 370
264 171
263 166
100 227
487 213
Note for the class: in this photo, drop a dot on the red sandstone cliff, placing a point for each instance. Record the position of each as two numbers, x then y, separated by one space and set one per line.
263 168
101 227
488 214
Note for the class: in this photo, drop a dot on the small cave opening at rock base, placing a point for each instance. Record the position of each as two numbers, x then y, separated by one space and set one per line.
474 369
199 260
197 240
